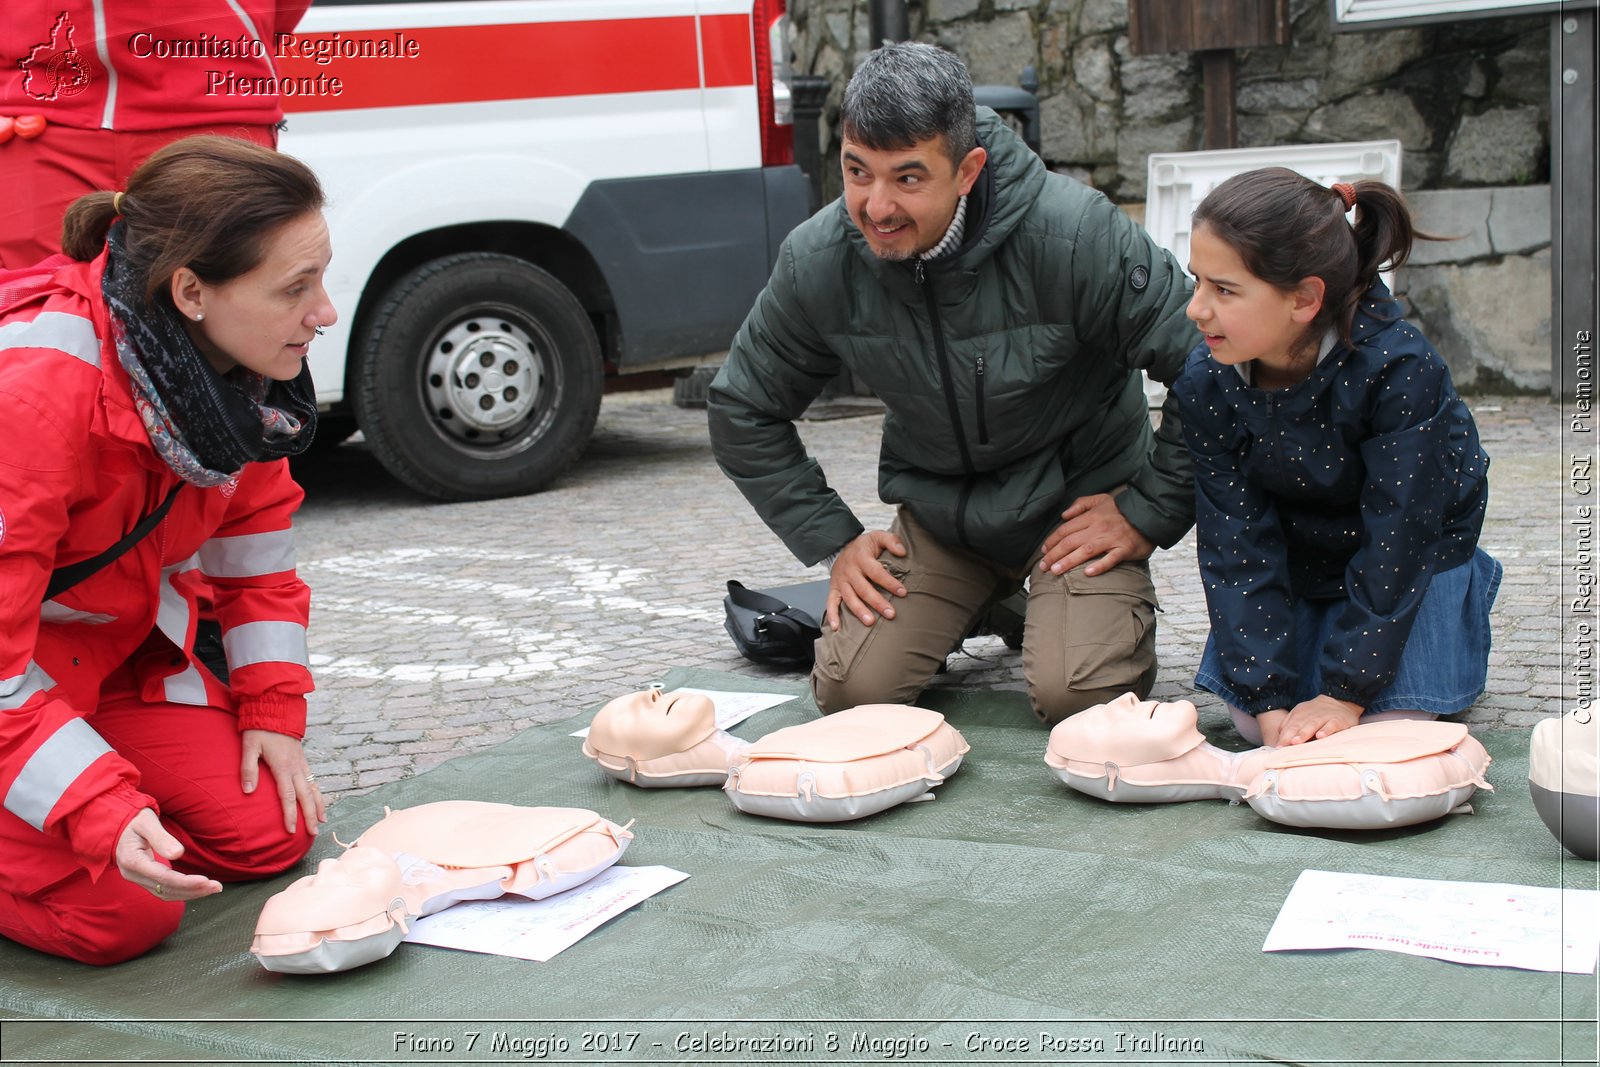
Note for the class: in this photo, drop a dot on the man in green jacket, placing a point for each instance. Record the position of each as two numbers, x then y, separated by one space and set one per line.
1002 314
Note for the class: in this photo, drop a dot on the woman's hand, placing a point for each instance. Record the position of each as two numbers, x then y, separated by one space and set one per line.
144 854
1316 718
286 761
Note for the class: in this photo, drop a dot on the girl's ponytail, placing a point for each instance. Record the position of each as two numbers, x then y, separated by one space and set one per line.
1384 231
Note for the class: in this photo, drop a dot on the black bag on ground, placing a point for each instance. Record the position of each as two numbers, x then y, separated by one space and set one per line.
779 626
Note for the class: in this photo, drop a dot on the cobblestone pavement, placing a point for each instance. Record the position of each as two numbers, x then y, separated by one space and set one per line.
440 629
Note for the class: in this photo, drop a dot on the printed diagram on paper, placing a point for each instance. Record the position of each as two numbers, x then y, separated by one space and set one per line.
1492 924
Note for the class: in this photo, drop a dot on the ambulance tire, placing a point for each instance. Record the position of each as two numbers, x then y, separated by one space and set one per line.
480 377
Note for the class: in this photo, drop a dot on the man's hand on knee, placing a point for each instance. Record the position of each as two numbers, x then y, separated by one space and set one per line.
1093 531
859 580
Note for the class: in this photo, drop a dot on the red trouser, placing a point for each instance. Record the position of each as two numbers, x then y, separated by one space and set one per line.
43 176
188 759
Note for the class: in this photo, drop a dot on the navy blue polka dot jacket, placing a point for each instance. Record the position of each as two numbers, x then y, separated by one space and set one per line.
1359 483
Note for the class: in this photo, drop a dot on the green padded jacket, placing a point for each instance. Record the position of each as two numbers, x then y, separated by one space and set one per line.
1008 368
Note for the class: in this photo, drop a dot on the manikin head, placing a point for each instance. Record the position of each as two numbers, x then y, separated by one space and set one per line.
1130 732
910 148
357 887
1564 778
651 724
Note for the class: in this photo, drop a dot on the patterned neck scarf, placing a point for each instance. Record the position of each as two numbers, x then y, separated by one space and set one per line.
206 426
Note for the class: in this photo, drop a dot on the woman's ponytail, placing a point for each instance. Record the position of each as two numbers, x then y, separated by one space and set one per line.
83 229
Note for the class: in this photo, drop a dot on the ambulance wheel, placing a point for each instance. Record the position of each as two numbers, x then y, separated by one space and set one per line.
480 377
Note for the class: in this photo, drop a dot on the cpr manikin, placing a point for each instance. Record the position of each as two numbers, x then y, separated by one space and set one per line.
1564 778
357 907
1368 777
844 766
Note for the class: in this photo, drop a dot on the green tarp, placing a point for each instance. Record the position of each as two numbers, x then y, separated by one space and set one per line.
1008 921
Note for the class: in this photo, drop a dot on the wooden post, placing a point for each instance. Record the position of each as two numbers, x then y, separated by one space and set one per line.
1213 28
1572 203
1222 117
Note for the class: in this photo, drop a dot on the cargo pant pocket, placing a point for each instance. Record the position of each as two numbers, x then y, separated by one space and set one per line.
1092 633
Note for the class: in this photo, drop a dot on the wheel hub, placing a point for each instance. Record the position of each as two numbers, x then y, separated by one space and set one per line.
483 376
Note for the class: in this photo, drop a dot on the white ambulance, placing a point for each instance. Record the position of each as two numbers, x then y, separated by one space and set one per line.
525 197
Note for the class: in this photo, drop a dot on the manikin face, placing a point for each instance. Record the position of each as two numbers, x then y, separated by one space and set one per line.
1130 732
265 318
1243 318
902 201
652 724
353 888
358 866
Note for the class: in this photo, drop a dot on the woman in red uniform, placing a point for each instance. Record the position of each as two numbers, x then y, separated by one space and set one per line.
159 364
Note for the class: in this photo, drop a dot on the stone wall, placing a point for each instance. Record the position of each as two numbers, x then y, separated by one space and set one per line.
1469 102
1483 299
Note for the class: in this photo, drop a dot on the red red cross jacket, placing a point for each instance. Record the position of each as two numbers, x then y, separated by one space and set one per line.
134 65
77 471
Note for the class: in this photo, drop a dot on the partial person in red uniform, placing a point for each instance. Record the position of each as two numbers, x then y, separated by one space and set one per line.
161 362
90 88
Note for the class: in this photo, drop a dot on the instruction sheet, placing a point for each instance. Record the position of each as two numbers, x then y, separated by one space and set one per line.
1492 924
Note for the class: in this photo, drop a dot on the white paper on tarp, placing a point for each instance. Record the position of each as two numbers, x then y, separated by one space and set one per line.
1491 924
732 708
538 929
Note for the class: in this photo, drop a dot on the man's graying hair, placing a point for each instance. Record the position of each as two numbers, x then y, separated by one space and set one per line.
909 92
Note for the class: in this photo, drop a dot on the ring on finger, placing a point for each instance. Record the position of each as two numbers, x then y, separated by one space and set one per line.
160 891
311 777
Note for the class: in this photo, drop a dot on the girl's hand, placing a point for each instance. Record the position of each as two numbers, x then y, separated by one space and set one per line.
1318 717
1271 725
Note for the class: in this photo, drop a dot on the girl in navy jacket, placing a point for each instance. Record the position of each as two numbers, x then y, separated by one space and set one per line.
1339 483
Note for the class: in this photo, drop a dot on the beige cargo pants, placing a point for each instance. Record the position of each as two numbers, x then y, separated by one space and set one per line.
1085 641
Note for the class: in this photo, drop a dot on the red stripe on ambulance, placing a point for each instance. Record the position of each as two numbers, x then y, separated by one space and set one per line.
467 64
730 52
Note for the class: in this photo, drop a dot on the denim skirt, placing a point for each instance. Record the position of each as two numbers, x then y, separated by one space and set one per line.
1443 666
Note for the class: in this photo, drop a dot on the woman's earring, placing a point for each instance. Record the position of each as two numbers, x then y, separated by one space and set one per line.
198 315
